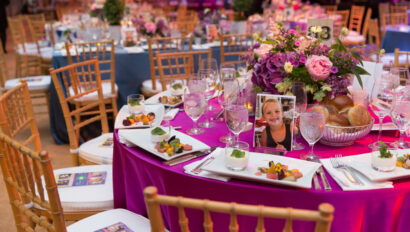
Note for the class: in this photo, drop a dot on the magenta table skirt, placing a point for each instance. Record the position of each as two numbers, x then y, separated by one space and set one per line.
371 210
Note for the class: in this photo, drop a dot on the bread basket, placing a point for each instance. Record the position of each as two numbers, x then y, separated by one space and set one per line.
344 135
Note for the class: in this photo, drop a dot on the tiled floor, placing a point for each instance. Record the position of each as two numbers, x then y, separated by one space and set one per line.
60 155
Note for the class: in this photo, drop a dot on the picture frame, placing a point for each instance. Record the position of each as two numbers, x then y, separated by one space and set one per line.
271 124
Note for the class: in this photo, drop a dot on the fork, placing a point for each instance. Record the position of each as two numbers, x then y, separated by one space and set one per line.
337 165
342 164
198 169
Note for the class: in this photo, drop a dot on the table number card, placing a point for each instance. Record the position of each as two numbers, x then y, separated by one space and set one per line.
327 30
117 227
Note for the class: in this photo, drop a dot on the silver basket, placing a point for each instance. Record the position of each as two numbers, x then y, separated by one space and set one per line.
344 135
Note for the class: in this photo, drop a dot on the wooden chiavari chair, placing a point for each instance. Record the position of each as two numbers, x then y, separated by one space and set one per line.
29 177
162 45
104 51
329 8
36 17
392 19
356 18
179 65
73 82
366 23
323 217
344 14
373 37
236 45
187 26
398 9
401 58
37 85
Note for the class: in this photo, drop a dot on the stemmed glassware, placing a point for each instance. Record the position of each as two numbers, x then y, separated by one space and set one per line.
236 116
210 78
194 106
212 65
381 100
299 91
312 126
400 114
228 92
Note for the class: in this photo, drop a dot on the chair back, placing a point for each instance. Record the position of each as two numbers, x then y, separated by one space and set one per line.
18 34
344 14
234 45
187 25
374 36
366 23
400 18
356 18
36 17
401 54
165 45
323 217
73 82
330 8
383 8
38 33
398 9
24 171
16 114
179 65
4 73
104 51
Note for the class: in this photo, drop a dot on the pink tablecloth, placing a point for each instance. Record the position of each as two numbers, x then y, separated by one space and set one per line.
372 210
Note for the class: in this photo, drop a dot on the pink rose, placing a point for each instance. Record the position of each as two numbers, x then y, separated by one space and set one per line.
297 43
318 67
150 27
263 50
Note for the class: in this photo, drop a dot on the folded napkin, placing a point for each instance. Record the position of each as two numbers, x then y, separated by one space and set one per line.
204 173
170 115
346 185
134 49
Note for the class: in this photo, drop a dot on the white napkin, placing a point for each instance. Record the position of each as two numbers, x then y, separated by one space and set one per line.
204 173
170 115
342 180
125 141
134 49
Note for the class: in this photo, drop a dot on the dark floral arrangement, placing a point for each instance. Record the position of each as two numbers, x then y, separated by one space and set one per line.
151 25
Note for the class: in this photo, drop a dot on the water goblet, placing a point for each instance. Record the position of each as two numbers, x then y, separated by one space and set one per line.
210 78
194 106
400 115
299 91
236 118
212 65
312 126
135 103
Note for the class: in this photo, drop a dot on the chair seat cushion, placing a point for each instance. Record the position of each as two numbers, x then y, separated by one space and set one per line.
33 82
88 197
133 221
93 151
389 58
147 86
106 88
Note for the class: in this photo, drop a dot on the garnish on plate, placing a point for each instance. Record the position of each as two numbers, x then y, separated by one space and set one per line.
238 154
177 86
158 134
132 102
139 119
172 146
279 172
384 153
158 131
170 100
403 161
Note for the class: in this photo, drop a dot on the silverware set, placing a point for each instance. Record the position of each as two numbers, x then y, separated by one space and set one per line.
337 163
198 168
189 156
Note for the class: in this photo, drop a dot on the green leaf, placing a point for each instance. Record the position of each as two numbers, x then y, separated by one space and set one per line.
384 153
361 71
238 154
319 95
158 131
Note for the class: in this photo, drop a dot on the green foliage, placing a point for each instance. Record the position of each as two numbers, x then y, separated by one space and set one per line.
113 11
238 154
384 153
241 5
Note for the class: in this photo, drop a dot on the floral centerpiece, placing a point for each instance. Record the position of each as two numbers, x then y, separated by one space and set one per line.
288 56
150 24
211 17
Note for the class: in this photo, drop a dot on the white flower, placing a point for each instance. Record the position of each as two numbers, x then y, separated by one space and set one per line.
316 29
263 50
382 52
288 67
344 31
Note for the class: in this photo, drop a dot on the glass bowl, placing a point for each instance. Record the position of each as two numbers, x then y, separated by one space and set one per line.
344 135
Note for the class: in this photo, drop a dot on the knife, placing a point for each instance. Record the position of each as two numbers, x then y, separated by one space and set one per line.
189 156
326 184
316 182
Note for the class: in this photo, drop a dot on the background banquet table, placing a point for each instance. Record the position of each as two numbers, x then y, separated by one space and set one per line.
131 69
396 38
370 210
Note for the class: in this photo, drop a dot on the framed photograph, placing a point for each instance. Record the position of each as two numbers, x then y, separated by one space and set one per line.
274 121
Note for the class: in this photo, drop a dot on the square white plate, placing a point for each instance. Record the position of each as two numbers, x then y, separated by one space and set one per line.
155 99
142 138
362 163
158 110
261 160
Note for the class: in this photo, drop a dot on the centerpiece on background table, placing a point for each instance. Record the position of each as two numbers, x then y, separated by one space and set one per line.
150 24
288 56
211 23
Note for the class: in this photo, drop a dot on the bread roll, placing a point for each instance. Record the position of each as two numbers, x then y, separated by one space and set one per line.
341 102
337 120
320 109
359 116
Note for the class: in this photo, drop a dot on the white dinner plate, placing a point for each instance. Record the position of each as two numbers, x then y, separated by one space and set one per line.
362 163
142 138
158 110
155 99
262 160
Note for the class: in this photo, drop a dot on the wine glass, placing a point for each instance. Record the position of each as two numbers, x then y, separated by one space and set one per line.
212 65
381 102
229 87
299 91
236 117
400 115
210 77
312 126
194 106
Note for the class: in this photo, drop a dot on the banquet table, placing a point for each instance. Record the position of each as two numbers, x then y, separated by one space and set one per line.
396 38
369 210
131 69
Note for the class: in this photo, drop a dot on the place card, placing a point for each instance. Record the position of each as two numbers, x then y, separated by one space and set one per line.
326 35
117 227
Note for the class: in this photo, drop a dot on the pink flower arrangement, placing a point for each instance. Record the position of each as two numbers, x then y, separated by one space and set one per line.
263 50
150 27
318 67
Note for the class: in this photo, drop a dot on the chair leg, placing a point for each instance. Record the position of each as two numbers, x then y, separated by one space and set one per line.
75 159
114 107
18 64
47 95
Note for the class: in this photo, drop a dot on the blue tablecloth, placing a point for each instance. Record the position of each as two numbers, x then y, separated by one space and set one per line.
131 69
396 38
